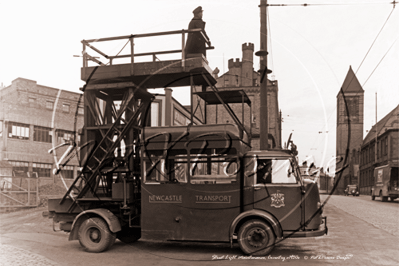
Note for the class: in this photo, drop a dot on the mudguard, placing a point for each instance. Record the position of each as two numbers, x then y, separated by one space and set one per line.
112 221
257 214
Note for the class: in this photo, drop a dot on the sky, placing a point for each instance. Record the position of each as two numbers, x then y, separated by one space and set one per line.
310 50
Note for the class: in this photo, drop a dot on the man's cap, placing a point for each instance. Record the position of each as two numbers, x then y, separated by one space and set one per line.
197 10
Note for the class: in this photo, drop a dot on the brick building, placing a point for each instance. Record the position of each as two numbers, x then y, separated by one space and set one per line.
364 155
386 134
350 105
33 119
241 76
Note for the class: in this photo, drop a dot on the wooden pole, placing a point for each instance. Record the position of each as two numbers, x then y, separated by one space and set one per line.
183 52
131 56
263 115
376 131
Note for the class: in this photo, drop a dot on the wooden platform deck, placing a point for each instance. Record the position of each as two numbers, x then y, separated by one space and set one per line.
159 74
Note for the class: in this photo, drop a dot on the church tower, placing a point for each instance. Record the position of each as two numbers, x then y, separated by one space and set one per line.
350 105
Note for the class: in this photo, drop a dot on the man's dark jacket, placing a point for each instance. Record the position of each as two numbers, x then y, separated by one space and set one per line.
195 42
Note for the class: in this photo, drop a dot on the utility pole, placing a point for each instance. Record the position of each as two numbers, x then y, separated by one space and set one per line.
263 110
376 131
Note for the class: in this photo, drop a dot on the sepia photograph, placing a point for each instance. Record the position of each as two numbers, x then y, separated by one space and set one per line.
199 132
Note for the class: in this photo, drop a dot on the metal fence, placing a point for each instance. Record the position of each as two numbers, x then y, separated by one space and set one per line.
19 190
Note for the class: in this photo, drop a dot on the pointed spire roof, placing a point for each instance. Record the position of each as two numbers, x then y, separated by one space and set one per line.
351 83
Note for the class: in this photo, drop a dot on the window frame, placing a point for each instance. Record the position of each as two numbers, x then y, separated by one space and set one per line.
15 129
42 169
39 134
66 108
208 162
49 105
63 131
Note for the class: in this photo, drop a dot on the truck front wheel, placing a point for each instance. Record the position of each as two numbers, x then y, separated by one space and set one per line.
255 237
95 236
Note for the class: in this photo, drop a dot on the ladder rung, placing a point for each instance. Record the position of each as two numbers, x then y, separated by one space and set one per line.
104 150
98 160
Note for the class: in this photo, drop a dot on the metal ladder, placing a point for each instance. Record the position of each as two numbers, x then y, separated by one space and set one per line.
108 144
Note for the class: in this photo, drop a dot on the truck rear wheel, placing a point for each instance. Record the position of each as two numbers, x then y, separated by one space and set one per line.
372 197
255 237
95 236
384 199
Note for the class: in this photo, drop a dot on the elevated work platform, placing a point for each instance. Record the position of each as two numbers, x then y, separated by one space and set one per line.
189 70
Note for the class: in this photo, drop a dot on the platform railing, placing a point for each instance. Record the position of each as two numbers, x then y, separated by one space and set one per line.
131 38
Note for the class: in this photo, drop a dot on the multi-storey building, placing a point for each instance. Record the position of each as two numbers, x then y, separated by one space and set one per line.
36 118
242 76
379 147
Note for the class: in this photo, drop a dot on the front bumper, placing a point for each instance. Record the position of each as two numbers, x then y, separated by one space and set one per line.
322 230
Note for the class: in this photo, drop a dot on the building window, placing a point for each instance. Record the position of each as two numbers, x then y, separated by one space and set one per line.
32 100
226 81
65 108
64 136
19 168
18 131
1 128
42 134
370 154
378 149
155 114
371 177
50 105
386 146
81 110
67 171
361 157
42 169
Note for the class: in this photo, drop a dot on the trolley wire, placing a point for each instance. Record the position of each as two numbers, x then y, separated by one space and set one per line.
354 76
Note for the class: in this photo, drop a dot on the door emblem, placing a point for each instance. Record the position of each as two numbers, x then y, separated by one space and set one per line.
277 199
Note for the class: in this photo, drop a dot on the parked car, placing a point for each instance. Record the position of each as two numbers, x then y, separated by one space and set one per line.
352 190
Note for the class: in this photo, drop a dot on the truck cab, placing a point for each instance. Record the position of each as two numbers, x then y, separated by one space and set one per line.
386 184
211 187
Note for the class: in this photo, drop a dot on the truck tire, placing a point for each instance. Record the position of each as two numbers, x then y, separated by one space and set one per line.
384 199
95 236
129 235
372 197
255 237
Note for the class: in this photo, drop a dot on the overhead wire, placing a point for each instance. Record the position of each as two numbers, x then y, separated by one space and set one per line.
331 4
394 2
379 62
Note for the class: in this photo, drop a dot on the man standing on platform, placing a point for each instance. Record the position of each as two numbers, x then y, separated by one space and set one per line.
195 41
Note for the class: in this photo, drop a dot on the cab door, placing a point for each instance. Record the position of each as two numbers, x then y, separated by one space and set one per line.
162 197
279 192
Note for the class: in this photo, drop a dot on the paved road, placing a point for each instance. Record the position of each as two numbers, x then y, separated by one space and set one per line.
361 232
